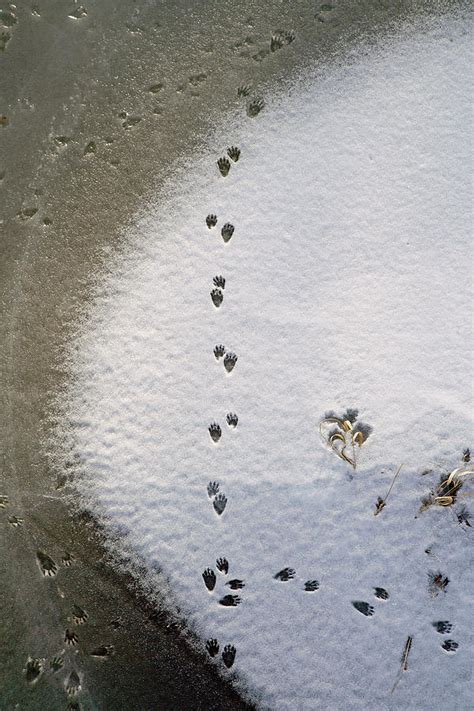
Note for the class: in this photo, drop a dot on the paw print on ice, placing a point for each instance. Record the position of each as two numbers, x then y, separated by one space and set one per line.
363 607
33 669
224 166
79 615
67 559
215 432
211 221
73 683
244 90
228 655
209 578
47 565
56 663
15 521
219 503
212 647
230 359
227 231
230 601
71 638
103 651
285 574
443 626
222 565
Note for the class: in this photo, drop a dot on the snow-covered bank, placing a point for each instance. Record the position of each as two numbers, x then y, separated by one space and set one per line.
346 286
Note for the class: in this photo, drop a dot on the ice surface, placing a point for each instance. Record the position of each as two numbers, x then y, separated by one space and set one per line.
347 285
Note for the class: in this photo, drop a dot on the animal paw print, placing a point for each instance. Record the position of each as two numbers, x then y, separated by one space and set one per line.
227 231
232 419
15 521
363 607
381 593
217 297
4 501
311 585
103 651
211 221
33 669
209 578
219 503
244 90
254 107
285 575
67 559
73 683
236 584
230 359
234 153
222 565
212 488
228 655
219 351
230 601
224 166
443 626
449 645
56 663
219 281
215 431
212 647
79 615
71 638
47 565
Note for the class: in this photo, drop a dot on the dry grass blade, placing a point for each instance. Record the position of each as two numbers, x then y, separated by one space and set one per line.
447 490
381 503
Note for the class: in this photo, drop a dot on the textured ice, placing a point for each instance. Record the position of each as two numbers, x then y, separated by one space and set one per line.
347 285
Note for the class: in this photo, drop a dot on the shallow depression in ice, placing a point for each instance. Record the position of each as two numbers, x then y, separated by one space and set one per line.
345 286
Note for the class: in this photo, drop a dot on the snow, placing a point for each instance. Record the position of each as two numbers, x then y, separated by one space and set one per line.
347 282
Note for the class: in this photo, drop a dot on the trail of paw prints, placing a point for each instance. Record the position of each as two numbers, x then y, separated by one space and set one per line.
228 653
224 164
215 430
445 627
229 358
285 575
219 500
210 581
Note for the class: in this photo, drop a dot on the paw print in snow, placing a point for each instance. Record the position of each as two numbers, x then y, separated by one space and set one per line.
228 655
230 601
230 360
209 578
285 575
311 585
219 503
443 626
219 352
381 593
363 607
215 432
212 647
222 565
211 221
236 584
212 488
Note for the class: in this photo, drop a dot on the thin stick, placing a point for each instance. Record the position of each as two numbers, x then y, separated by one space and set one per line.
404 666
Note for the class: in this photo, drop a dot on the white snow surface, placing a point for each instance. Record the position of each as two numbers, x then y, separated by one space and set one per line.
348 284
